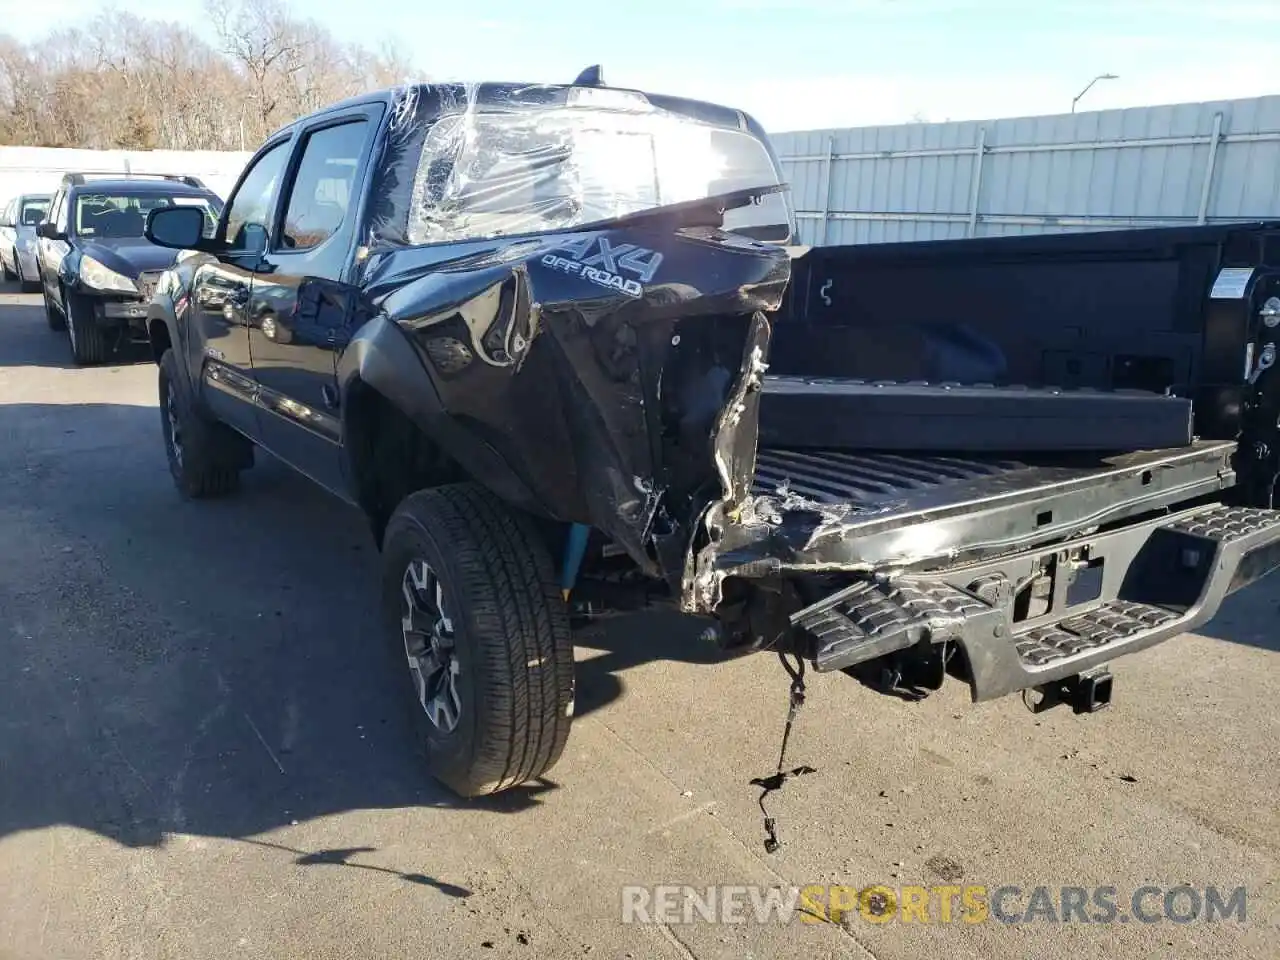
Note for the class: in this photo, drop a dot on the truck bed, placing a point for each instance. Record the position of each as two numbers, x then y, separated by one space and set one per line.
1168 310
972 418
1040 569
965 505
1021 450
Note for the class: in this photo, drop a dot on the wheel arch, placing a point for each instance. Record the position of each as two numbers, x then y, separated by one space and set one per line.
388 456
162 332
397 436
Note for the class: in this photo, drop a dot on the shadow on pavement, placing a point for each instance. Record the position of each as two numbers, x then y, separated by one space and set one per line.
216 668
13 287
630 641
342 858
30 342
211 668
1250 617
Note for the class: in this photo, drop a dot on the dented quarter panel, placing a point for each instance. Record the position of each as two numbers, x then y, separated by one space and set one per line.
734 458
545 357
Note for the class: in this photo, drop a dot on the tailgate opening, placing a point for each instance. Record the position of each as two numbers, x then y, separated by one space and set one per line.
839 512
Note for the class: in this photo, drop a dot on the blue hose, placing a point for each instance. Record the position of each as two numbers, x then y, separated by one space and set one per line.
575 550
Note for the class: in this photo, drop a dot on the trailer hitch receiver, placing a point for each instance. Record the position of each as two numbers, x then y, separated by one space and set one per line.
1087 692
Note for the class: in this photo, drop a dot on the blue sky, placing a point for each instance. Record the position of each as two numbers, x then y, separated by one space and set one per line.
814 63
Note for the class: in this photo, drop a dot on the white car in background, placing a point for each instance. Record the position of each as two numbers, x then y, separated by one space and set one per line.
18 237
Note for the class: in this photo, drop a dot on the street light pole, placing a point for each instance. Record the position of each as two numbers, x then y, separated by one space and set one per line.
1101 76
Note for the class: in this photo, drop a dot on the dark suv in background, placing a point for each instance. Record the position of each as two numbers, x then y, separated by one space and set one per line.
97 270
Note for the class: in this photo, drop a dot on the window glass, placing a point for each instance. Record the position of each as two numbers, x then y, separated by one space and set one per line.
33 211
60 212
125 214
322 190
249 212
532 168
210 210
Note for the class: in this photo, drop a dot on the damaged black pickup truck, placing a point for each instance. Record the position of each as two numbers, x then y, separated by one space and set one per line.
527 331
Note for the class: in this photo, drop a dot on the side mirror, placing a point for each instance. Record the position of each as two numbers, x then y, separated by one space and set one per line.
49 231
181 228
253 238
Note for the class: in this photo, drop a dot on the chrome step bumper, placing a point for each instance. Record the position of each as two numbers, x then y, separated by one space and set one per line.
1142 584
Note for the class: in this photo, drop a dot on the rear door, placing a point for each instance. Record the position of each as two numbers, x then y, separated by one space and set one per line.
303 297
27 215
51 252
8 234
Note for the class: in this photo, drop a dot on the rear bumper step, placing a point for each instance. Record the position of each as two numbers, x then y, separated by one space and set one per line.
1140 585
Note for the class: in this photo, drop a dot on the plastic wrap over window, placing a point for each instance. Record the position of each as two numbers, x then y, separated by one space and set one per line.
598 154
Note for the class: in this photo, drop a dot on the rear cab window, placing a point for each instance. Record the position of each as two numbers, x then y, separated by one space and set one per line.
504 162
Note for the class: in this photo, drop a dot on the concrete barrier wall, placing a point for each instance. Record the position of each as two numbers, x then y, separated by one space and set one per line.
39 169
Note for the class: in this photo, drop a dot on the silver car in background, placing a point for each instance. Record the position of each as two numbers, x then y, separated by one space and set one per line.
18 237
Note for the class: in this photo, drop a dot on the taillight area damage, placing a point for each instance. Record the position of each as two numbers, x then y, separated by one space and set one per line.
581 272
847 555
633 413
733 454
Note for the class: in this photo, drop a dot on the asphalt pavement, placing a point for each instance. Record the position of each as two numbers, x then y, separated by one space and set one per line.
202 753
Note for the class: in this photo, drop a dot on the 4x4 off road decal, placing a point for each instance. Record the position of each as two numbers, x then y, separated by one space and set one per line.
598 260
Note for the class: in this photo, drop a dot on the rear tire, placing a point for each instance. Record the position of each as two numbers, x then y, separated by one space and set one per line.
88 339
205 457
470 596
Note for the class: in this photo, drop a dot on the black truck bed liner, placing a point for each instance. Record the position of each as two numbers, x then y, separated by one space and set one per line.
876 500
864 415
1039 569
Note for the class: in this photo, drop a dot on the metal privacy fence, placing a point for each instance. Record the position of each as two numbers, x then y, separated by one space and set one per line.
1148 166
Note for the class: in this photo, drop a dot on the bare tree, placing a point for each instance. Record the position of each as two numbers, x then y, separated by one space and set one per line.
388 66
126 81
256 36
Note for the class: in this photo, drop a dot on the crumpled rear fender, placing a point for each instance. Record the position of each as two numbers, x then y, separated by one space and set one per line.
563 371
382 357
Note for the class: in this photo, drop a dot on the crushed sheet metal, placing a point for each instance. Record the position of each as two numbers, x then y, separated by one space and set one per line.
734 455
